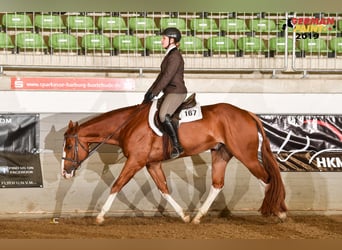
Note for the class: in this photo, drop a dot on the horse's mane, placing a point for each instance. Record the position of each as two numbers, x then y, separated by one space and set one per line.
112 113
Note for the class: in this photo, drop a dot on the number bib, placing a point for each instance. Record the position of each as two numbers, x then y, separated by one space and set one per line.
191 114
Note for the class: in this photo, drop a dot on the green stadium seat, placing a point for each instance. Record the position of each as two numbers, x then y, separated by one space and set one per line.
60 42
127 44
192 45
263 25
175 22
153 44
80 24
313 46
28 41
17 21
233 25
335 45
203 25
113 24
6 42
251 45
277 45
339 25
221 45
49 23
96 43
142 24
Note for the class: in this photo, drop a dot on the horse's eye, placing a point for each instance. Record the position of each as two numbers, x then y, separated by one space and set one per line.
69 146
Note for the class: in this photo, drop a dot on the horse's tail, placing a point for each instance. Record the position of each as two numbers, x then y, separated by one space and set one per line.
274 201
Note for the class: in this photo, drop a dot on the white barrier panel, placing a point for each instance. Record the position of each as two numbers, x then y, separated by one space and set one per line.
98 102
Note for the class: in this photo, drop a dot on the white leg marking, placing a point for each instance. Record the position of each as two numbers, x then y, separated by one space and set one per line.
105 208
206 205
62 162
176 207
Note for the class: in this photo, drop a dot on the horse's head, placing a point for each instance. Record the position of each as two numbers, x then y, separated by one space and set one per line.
75 151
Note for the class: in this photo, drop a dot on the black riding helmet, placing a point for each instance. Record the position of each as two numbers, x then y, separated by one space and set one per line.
172 33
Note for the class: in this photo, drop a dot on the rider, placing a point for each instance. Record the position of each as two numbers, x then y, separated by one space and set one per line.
171 81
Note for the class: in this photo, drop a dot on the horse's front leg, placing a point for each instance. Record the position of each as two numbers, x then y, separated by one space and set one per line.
158 177
219 164
128 171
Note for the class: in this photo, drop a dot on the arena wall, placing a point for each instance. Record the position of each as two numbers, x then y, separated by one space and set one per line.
188 178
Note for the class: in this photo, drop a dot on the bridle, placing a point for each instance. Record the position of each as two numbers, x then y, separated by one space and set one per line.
76 162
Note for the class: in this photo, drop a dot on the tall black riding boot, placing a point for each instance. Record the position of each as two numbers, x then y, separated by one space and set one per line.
171 130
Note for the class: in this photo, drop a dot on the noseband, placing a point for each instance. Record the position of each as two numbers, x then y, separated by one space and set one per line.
76 162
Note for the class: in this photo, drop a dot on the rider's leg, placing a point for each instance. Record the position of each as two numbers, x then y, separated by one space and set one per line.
171 130
170 104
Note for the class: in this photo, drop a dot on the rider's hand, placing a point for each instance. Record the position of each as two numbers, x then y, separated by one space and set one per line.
148 97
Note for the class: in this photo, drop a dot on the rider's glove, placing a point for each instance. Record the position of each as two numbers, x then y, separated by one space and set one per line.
148 97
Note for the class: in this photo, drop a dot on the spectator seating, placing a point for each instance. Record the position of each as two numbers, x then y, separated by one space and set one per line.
335 45
262 25
6 42
221 45
203 25
250 45
112 24
193 45
17 22
142 24
176 22
80 23
60 42
49 22
277 46
127 44
29 41
311 46
233 26
153 44
96 43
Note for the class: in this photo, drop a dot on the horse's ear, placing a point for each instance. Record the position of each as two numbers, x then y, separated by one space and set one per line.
71 124
76 126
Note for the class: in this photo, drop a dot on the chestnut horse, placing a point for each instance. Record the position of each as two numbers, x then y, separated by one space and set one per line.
227 131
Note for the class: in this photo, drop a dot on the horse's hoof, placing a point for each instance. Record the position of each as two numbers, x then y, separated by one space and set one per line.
99 220
282 216
186 219
196 221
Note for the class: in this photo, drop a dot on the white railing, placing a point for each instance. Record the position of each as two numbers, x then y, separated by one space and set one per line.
323 27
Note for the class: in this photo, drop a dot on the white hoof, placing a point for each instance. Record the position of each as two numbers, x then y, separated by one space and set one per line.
197 218
196 221
186 219
99 220
282 216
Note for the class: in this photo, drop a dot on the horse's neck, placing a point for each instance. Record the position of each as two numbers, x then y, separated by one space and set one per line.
106 126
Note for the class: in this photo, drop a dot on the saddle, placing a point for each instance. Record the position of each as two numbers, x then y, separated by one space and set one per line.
189 102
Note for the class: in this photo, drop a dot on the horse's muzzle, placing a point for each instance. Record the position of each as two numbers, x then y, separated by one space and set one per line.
69 174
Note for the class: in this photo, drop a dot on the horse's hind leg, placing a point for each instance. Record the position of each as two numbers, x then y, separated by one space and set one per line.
220 160
158 177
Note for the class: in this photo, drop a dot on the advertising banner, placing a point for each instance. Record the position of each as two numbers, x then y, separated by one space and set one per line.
305 142
72 83
19 151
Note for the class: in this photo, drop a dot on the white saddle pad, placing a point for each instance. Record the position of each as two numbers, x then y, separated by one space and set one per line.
186 115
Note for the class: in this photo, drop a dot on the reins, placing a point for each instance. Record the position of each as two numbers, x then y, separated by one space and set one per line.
94 149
